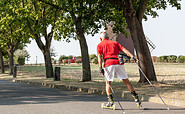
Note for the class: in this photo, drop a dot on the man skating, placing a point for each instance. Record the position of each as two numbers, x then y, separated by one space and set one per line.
108 52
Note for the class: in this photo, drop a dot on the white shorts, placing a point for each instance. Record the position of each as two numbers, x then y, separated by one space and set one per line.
112 70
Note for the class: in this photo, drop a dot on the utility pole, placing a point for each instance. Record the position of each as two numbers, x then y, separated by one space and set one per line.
36 60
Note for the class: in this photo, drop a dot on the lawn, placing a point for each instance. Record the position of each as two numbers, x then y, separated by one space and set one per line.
165 72
170 76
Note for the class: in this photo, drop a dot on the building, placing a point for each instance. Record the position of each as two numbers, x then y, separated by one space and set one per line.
125 42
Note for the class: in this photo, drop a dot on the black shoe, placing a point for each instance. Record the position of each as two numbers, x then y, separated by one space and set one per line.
137 100
109 104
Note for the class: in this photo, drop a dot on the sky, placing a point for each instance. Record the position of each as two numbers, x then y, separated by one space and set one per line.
167 32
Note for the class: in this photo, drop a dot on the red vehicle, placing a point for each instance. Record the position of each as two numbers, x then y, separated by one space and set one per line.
72 60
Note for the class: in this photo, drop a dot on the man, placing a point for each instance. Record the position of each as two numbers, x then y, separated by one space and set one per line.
108 51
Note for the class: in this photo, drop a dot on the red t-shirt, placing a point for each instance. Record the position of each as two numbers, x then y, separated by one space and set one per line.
109 49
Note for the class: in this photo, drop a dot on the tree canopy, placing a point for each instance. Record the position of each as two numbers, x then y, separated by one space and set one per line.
22 19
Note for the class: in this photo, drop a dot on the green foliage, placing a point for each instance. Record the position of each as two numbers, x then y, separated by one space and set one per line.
21 60
13 34
154 5
63 57
172 59
92 56
114 12
21 53
79 56
20 56
85 14
95 61
77 61
181 59
163 59
70 56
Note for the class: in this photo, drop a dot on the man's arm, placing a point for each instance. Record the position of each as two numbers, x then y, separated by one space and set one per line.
129 54
100 60
100 64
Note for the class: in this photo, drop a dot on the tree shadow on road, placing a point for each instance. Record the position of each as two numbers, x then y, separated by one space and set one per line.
163 109
15 93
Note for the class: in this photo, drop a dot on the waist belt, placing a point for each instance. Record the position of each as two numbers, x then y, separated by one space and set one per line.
111 58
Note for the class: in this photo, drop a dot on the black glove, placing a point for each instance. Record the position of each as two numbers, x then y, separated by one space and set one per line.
135 60
126 57
101 70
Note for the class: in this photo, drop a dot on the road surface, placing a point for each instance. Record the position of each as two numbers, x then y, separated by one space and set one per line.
16 98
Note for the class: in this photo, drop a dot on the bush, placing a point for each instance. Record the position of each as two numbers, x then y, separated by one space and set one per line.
55 62
64 61
62 57
77 61
20 56
95 60
154 58
172 59
92 56
163 59
181 59
21 60
70 57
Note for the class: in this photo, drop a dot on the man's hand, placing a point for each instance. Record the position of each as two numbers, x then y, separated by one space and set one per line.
135 59
101 71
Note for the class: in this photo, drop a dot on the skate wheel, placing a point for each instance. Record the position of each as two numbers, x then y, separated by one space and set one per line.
139 105
102 105
114 107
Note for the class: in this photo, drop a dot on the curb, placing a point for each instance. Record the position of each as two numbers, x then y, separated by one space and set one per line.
126 96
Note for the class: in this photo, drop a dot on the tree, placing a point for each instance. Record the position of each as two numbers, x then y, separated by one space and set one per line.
20 55
134 11
3 57
1 61
92 56
39 18
181 59
13 35
79 18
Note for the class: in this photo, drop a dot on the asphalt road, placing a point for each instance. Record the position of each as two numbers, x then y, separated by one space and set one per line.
16 98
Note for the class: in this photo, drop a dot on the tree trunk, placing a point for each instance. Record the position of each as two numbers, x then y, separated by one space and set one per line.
134 22
48 64
11 62
84 49
1 61
85 58
140 44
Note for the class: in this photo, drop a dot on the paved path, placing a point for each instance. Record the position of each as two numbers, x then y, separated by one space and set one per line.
18 98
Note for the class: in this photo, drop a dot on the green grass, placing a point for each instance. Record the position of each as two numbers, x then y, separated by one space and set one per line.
171 78
31 69
71 67
74 71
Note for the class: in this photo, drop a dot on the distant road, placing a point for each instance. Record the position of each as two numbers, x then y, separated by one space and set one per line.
18 98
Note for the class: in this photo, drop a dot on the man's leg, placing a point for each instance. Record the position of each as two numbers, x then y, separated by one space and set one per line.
108 90
132 91
109 75
129 85
109 94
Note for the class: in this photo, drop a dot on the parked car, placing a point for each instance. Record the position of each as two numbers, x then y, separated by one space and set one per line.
72 60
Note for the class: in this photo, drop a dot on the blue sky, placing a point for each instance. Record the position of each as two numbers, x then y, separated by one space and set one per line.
167 32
